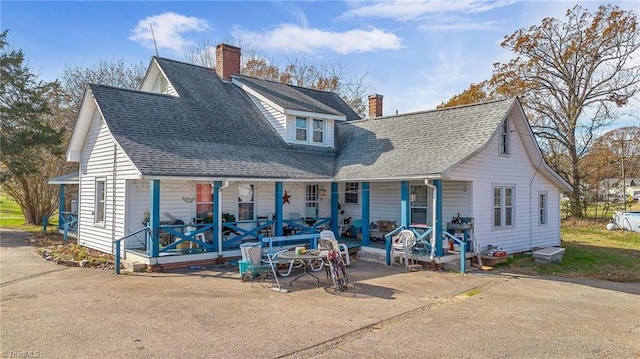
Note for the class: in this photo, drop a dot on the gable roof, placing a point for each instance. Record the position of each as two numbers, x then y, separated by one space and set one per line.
416 144
212 129
300 98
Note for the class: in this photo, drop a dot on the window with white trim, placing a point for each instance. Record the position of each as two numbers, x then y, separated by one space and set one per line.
310 130
542 208
318 131
503 206
100 202
246 202
505 139
419 204
301 129
312 203
204 201
351 190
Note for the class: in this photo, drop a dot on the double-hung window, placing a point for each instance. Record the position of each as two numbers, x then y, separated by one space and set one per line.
100 202
310 130
503 206
351 192
301 128
419 204
318 131
204 201
246 202
505 139
542 208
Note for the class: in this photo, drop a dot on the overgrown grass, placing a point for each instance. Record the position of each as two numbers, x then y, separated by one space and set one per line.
591 252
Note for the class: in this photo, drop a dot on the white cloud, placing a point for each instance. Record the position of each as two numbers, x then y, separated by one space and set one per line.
293 38
455 23
168 29
401 10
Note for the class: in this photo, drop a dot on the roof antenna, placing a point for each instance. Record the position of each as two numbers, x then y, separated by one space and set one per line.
154 40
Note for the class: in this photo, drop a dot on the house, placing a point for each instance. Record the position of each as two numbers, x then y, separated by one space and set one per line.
233 157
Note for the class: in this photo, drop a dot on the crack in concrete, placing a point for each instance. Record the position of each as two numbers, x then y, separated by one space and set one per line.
380 325
2 285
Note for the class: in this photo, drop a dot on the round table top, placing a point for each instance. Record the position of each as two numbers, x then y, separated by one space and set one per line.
293 255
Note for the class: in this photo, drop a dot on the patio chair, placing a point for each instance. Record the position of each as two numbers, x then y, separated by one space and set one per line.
266 231
252 255
401 246
340 247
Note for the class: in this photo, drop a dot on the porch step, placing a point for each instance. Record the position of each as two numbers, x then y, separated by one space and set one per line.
369 254
134 267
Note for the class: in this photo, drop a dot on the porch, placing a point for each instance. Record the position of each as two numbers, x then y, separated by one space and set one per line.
213 234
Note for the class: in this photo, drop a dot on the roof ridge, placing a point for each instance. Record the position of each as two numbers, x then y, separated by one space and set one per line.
183 63
129 90
282 83
432 110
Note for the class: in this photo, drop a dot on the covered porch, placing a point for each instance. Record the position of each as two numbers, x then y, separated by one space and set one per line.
188 221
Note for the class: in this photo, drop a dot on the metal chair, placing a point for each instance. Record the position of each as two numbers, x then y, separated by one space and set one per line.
402 245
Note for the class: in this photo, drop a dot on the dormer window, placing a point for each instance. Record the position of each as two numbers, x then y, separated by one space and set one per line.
505 140
318 131
310 130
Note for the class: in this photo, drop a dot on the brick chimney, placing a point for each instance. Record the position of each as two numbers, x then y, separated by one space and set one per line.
227 61
375 105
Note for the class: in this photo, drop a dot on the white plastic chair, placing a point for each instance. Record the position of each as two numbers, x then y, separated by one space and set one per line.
401 245
340 247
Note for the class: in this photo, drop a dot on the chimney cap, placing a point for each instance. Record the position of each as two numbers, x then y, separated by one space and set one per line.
375 95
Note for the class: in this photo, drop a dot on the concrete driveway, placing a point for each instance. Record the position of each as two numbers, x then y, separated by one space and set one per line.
50 311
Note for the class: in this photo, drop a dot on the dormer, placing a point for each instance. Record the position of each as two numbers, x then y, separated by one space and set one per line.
156 81
301 116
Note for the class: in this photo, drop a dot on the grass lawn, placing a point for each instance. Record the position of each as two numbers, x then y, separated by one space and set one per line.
11 215
592 252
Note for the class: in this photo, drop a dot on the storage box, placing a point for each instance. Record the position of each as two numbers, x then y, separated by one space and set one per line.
386 226
548 255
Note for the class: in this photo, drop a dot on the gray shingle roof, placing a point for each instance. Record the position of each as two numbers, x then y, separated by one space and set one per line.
212 130
300 98
416 144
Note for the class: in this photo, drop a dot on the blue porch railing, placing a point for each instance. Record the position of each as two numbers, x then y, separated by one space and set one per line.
117 243
424 246
192 236
68 223
297 227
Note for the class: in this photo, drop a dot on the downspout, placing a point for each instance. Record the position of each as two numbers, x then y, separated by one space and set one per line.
433 213
219 204
531 220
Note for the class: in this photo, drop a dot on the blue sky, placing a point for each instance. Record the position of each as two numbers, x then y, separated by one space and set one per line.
416 54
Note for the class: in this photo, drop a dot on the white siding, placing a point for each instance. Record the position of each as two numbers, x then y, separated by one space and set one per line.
98 162
488 168
384 201
156 86
455 200
276 118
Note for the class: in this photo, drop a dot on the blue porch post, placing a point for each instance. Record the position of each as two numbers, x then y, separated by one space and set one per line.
215 196
405 218
61 207
366 236
438 225
334 209
278 209
153 243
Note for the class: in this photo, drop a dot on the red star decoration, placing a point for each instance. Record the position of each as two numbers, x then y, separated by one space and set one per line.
285 198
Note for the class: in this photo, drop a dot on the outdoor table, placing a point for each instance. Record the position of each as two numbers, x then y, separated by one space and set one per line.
306 260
